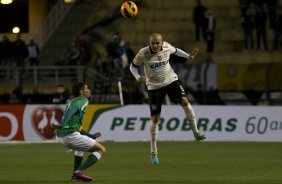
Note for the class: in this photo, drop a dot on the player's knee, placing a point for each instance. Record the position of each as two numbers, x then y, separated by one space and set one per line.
156 119
184 101
99 148
103 150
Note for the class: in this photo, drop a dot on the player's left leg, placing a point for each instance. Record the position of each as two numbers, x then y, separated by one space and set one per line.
177 93
190 115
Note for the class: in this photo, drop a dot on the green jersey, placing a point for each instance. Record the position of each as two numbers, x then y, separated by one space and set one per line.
73 115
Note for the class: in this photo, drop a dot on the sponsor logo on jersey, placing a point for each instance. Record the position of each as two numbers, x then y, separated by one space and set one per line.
159 64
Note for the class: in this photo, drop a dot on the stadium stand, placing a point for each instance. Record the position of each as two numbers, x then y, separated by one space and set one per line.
102 18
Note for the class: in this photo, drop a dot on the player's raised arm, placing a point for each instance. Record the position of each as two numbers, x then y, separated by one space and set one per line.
194 53
184 54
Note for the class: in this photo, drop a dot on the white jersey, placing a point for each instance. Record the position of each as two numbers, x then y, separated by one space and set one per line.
157 68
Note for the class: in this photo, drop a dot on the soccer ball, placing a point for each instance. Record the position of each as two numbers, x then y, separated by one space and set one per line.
129 9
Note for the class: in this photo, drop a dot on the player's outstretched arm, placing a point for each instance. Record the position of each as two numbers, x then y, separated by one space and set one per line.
97 134
56 126
194 52
93 136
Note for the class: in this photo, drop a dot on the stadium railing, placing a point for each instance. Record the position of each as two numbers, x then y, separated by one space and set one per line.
34 75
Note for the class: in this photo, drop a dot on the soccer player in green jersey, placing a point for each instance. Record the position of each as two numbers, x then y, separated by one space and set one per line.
71 135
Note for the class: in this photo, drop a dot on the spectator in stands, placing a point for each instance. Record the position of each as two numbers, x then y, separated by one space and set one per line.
199 19
15 96
101 66
61 96
7 54
271 10
277 30
73 55
260 22
210 30
14 99
248 23
20 51
33 53
259 3
80 44
244 5
116 50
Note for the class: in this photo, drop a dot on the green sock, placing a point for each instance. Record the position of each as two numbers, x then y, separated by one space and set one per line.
91 160
77 162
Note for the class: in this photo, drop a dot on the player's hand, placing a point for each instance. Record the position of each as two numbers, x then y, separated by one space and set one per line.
142 79
194 53
97 134
55 126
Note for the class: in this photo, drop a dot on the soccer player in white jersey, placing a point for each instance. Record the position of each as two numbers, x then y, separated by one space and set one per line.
71 135
161 80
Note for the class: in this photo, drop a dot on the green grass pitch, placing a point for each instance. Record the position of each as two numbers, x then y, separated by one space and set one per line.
128 163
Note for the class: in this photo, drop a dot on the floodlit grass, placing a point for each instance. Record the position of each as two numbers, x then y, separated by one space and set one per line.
128 163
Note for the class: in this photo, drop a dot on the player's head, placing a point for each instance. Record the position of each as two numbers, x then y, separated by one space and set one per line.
156 42
81 89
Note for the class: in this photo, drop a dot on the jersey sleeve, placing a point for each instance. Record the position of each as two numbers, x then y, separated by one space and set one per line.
138 58
69 112
171 48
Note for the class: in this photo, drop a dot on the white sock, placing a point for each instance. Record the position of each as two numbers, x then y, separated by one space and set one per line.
97 155
78 153
154 129
190 115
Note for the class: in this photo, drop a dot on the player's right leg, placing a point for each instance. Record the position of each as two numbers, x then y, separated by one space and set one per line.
156 98
154 129
78 157
97 151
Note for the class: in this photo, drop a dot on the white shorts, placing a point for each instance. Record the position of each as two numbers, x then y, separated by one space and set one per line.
76 141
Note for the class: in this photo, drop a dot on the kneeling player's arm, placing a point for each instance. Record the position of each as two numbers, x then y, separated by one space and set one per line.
68 114
134 71
93 136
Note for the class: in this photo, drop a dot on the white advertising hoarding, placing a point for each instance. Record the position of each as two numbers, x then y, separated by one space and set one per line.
218 123
132 122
